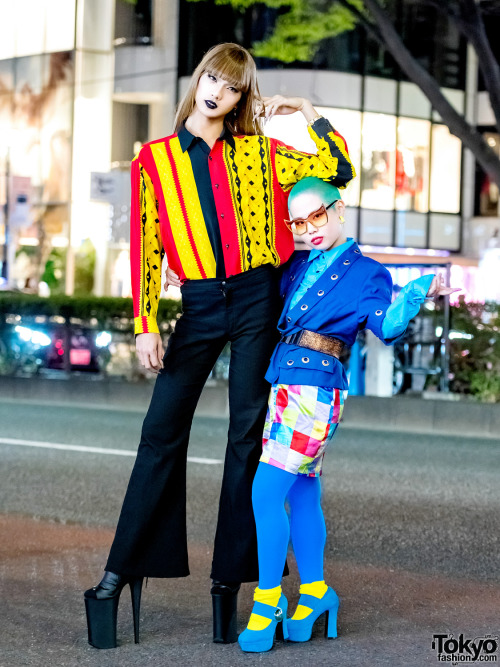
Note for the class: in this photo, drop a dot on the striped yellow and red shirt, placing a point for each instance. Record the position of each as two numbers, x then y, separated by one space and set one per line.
251 177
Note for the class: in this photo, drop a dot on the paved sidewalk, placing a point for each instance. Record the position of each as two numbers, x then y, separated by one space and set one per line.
387 616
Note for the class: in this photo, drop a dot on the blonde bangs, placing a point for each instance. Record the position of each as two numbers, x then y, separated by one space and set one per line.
234 73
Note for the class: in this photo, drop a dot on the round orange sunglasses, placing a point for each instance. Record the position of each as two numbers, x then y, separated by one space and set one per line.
317 219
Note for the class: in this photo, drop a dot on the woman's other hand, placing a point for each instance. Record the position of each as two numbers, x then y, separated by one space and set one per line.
171 278
150 351
279 105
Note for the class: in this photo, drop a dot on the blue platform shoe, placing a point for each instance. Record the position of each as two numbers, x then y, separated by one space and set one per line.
301 630
258 641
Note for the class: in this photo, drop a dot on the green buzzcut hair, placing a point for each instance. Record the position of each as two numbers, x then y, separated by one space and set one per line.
312 184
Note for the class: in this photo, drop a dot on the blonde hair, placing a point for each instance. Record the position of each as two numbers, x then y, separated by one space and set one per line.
234 64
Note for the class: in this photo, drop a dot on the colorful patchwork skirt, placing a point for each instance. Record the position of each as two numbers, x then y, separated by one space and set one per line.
301 420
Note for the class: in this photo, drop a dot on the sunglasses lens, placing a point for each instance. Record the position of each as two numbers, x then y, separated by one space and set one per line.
319 219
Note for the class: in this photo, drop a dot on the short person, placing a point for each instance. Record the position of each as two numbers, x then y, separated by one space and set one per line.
330 291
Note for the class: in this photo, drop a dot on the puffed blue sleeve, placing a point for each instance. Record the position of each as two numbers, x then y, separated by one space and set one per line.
375 298
405 307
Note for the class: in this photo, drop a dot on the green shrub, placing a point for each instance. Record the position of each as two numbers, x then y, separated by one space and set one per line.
475 362
114 313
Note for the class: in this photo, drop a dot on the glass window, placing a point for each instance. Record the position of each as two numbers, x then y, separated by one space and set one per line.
445 171
348 124
376 227
411 230
487 196
445 232
412 165
292 130
378 167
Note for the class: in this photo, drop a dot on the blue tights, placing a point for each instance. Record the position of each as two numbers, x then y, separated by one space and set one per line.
271 487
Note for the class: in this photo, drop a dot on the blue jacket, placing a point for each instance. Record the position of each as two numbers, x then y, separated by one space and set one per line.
353 294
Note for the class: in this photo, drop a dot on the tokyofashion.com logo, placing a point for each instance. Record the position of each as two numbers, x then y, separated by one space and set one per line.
459 649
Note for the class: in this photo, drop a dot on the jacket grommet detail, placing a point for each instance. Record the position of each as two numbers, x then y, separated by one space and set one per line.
325 362
378 312
335 276
347 261
288 319
321 292
304 307
305 360
289 362
358 252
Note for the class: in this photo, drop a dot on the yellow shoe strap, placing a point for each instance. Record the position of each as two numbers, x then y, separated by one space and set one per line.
268 596
317 589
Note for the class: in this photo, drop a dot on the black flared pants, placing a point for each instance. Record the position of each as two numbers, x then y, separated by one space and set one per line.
151 536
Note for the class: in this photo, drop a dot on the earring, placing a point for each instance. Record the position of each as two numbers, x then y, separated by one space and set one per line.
341 218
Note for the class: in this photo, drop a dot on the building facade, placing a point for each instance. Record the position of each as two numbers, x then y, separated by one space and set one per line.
84 82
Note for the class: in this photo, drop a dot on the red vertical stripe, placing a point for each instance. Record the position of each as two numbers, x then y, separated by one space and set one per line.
173 258
184 212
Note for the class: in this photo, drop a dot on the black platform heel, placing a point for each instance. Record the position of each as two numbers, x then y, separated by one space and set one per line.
224 605
101 605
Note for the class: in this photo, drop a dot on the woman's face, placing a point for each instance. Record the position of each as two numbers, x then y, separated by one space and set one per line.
329 235
215 97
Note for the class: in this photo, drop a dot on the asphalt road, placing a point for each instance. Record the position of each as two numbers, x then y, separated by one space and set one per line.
413 544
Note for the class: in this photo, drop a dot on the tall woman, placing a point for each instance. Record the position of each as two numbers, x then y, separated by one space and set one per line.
213 197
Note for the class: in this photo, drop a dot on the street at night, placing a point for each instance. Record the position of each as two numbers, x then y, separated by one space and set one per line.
413 523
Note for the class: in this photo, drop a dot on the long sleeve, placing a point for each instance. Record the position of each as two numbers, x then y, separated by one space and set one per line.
332 162
405 307
146 251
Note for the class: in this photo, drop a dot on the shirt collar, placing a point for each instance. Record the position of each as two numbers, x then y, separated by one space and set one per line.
336 252
186 139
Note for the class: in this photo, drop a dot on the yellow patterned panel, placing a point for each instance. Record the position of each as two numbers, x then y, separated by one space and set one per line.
175 214
152 249
250 176
293 165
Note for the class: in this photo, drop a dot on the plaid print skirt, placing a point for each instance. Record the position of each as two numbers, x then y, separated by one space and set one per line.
301 420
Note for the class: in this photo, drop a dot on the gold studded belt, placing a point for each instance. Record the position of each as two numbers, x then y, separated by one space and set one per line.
315 341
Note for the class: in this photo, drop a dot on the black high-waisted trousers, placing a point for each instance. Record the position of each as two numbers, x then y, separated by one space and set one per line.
151 536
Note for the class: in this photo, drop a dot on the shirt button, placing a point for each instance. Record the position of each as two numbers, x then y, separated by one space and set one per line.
210 158
222 215
227 245
217 186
